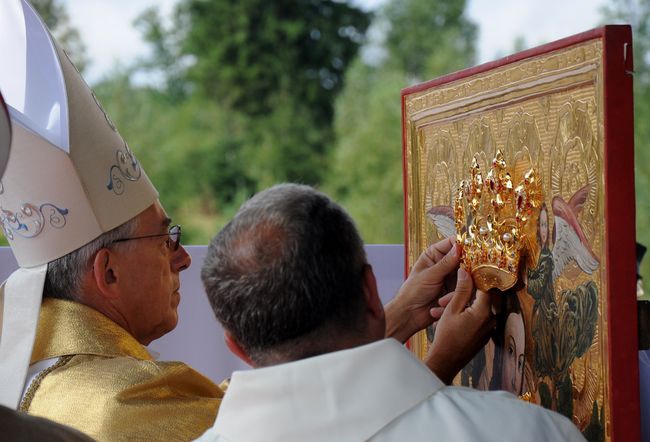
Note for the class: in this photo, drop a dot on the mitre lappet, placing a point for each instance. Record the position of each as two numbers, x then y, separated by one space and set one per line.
70 176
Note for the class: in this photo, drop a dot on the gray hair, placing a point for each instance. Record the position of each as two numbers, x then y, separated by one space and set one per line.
65 275
284 277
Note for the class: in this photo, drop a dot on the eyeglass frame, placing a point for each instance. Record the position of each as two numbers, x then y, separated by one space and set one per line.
175 245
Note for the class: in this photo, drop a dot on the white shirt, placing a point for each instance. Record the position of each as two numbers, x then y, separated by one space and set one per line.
377 392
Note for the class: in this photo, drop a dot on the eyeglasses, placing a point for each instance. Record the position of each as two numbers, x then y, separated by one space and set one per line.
173 242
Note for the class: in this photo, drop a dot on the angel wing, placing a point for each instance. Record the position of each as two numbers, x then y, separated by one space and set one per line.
443 218
570 241
579 199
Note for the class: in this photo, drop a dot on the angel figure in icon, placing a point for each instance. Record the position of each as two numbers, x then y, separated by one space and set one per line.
563 321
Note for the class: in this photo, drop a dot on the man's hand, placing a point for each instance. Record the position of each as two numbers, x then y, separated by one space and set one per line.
408 312
463 329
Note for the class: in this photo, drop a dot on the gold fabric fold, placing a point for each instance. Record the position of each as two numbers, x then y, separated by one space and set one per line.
66 328
111 388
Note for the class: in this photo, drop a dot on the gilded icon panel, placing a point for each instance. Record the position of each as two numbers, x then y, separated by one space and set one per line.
544 114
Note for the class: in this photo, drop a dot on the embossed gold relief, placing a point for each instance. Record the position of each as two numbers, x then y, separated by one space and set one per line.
440 150
545 114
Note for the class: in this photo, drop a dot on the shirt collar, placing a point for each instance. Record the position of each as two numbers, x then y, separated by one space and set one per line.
345 395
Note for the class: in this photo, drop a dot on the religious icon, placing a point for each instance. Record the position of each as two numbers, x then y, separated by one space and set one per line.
525 163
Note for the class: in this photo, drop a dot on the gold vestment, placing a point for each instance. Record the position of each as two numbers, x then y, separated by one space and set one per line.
107 385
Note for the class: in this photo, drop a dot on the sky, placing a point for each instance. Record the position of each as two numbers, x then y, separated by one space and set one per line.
106 26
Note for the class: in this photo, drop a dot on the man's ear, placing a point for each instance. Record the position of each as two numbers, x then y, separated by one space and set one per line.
235 348
373 301
105 274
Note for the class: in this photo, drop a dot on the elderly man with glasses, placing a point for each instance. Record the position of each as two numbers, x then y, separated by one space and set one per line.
101 305
99 263
133 283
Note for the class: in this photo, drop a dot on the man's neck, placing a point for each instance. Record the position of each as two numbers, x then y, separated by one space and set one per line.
302 349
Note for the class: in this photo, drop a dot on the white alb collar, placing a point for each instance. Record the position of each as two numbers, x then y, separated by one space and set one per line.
344 396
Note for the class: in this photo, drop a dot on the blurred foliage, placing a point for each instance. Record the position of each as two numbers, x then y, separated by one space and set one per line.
239 96
425 39
637 14
366 163
247 52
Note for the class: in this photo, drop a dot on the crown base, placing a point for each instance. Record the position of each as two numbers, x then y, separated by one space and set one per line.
488 276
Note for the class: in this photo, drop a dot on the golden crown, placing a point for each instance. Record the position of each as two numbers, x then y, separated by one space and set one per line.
496 222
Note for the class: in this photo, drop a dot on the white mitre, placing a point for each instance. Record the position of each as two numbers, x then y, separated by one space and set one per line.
70 176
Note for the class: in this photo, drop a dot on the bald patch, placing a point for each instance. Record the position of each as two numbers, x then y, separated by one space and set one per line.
259 247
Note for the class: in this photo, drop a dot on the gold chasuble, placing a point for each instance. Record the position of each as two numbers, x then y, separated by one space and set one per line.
107 385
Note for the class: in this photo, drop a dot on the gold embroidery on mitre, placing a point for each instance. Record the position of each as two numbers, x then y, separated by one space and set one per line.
496 221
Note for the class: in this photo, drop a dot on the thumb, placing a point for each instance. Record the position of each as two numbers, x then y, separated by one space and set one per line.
444 266
450 261
433 254
482 305
463 292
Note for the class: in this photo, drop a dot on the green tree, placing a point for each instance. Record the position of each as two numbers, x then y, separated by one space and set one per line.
366 174
248 51
280 63
426 39
286 145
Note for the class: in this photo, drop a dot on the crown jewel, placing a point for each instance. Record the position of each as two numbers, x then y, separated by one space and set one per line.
496 221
